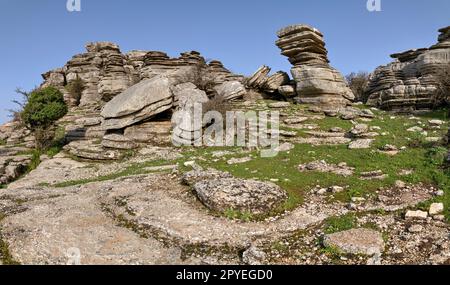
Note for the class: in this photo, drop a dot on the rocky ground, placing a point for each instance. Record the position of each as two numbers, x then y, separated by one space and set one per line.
350 186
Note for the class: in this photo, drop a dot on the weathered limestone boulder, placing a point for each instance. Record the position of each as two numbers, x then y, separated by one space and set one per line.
12 166
138 103
275 81
317 82
321 86
188 100
259 78
287 91
158 133
231 90
409 83
187 94
241 195
220 74
356 241
192 177
116 141
90 149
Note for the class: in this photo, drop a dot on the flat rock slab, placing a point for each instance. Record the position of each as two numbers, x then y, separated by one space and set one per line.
146 219
356 241
52 230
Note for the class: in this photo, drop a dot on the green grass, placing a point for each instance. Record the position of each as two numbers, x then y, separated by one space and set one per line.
2 142
237 215
425 159
339 224
5 256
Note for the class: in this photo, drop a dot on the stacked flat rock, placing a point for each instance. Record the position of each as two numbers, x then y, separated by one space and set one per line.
409 83
103 69
220 74
156 63
261 81
259 78
316 81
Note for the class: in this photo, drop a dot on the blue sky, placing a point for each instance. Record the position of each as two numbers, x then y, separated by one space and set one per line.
39 35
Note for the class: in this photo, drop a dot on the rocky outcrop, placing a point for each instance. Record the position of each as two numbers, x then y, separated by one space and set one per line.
409 83
106 72
316 81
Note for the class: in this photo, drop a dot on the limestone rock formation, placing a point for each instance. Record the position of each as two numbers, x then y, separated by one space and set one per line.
317 82
156 132
259 78
275 81
241 195
138 103
409 83
106 72
231 90
103 68
187 98
261 81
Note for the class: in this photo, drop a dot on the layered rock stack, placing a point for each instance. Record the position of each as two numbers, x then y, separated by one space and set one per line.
409 83
316 81
105 72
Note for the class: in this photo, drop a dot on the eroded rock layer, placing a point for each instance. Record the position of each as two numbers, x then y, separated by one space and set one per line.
410 83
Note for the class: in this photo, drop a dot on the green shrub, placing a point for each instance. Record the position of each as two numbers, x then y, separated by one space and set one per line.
75 89
43 108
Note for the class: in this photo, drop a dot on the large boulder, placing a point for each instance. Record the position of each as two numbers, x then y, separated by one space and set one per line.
259 78
409 82
231 90
317 82
321 85
275 81
138 103
187 96
241 195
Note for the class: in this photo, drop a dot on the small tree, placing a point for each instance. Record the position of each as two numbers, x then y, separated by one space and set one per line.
15 114
43 108
75 89
443 86
357 83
